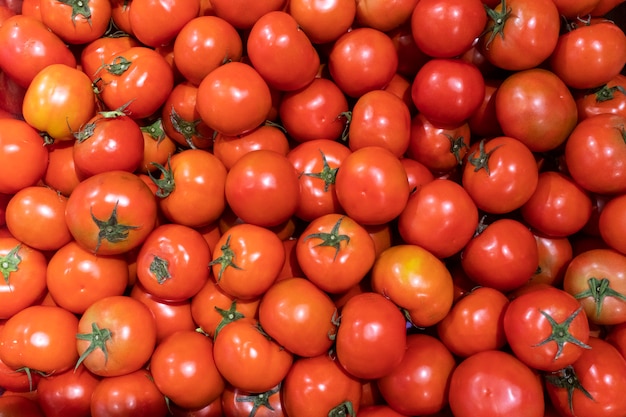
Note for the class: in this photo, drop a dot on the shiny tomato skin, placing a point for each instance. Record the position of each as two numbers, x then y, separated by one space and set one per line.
236 402
68 393
230 148
323 22
555 254
19 406
76 23
609 98
167 18
611 225
383 15
100 50
242 14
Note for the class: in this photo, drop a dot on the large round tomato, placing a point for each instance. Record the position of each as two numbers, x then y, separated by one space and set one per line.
611 224
167 18
236 402
323 22
67 394
75 21
610 98
93 54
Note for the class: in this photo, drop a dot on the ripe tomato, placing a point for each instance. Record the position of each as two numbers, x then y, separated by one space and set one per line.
371 339
372 185
446 29
319 387
500 174
384 15
116 336
417 173
76 22
594 153
41 338
18 381
165 22
380 118
362 60
596 279
610 98
410 57
419 384
76 277
242 403
19 406
111 213
184 371
592 386
520 34
573 10
299 316
555 254
503 255
68 393
130 394
28 46
33 209
546 328
495 383
181 120
61 172
323 22
448 91
262 188
23 158
484 122
157 146
23 271
248 359
101 50
242 14
440 216
335 252
233 99
611 224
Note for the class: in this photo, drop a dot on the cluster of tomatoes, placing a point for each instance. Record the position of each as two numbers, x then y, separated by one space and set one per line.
302 208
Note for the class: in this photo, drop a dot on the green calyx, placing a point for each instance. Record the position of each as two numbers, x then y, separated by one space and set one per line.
343 410
327 174
332 239
79 8
606 93
110 230
259 400
228 316
10 263
188 129
567 379
482 160
226 260
456 145
598 290
166 184
160 268
155 130
498 20
560 333
97 340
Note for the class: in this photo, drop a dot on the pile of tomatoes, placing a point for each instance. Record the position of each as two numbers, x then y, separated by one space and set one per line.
302 208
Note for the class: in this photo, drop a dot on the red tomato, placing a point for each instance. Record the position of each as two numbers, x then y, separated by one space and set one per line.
242 14
362 60
23 158
500 174
520 34
24 276
503 255
262 188
610 98
167 18
18 381
440 216
484 122
446 29
41 338
555 254
573 10
536 107
410 57
184 371
371 339
67 394
111 213
419 384
383 15
61 172
372 185
157 146
116 336
18 406
242 403
448 91
76 277
611 223
319 387
546 329
28 46
101 50
76 22
323 22
417 173
495 383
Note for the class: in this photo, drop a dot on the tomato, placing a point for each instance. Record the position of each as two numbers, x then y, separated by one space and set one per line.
503 255
445 29
378 410
40 338
60 173
440 216
417 173
18 406
157 146
33 209
242 14
101 50
410 57
314 111
520 34
248 359
74 21
572 10
214 409
133 394
546 329
17 381
43 48
371 339
281 52
138 78
166 19
262 188
372 185
594 151
599 46
68 393
23 158
362 60
111 213
591 386
415 280
11 97
24 276
609 98
495 383
319 387
317 163
544 103
448 91
611 225
419 385
172 262
76 278
108 334
596 279
383 15
484 121
555 254
323 22
184 371
241 403
500 174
